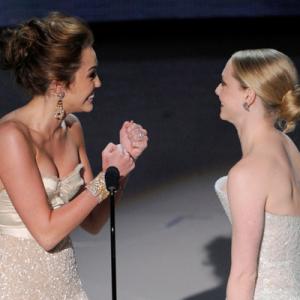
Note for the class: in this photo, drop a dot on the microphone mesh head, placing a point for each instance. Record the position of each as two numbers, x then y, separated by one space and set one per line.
112 176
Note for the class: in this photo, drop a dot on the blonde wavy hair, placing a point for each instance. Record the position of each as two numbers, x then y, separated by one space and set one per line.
274 78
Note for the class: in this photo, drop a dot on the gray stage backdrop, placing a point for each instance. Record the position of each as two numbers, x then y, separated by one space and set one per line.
165 79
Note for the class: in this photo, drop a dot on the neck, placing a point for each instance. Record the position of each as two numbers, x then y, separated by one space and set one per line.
252 132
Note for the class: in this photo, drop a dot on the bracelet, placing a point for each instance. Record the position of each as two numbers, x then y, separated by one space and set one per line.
97 187
123 150
133 158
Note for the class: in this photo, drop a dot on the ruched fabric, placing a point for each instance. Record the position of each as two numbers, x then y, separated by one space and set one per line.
27 271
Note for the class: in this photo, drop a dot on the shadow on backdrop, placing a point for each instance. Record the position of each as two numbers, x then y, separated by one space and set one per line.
218 256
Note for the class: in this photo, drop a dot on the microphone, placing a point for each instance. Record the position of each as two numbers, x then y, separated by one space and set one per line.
112 176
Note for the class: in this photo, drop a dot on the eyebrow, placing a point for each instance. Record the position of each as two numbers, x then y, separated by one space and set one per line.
222 79
93 67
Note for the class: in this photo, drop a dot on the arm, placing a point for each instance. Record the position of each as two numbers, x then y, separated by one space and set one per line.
100 213
247 196
98 217
22 180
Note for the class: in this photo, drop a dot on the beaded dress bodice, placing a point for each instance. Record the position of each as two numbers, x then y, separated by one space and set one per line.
279 258
27 271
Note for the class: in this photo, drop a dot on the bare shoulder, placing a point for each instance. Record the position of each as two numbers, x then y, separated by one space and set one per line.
15 140
252 172
249 166
12 129
11 124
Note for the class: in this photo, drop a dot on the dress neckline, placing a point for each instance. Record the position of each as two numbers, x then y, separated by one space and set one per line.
219 186
55 178
78 167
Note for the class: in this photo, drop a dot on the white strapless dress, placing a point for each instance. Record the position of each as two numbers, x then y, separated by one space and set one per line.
27 271
279 257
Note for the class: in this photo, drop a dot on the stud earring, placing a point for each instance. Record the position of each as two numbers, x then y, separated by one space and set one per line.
246 106
59 111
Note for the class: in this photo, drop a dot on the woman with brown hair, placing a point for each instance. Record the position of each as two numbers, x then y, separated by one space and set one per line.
47 188
261 194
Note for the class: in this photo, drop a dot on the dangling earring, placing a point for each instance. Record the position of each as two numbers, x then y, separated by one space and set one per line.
246 106
59 111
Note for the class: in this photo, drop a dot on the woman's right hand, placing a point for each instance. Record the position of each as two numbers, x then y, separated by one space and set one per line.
115 155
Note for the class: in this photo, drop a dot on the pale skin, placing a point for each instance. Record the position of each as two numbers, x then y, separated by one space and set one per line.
34 144
266 179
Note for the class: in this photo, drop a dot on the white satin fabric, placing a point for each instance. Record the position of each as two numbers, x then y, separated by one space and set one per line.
59 192
29 272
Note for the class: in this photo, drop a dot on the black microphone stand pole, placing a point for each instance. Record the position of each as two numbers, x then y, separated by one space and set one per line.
113 245
112 177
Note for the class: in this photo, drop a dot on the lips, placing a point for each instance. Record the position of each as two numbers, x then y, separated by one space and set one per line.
91 98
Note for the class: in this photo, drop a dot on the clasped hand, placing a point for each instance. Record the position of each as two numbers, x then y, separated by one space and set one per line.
133 141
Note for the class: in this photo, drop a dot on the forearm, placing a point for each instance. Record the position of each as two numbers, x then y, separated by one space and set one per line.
64 220
241 286
100 214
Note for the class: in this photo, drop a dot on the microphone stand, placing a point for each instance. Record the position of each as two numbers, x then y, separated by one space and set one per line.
113 245
112 177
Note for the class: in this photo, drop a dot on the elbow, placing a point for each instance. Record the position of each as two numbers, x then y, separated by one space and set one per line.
248 276
47 241
243 272
245 277
47 245
241 285
49 235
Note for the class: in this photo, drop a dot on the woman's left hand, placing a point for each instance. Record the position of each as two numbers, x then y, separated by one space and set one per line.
134 138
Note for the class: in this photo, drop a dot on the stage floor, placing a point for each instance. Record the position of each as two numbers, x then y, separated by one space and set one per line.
173 243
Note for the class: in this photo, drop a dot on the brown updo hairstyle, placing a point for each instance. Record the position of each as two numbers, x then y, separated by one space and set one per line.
42 50
273 77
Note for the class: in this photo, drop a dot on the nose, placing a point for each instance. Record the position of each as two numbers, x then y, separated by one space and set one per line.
97 82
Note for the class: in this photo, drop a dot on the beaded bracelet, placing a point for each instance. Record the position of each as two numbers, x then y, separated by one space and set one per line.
97 187
133 158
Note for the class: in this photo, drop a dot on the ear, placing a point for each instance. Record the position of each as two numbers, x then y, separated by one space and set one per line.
56 87
250 96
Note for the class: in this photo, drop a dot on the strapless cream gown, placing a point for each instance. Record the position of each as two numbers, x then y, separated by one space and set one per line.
27 271
279 257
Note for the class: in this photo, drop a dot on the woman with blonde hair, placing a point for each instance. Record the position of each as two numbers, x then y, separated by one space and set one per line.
259 93
47 188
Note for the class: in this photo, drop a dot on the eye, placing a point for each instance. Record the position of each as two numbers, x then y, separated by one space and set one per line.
93 74
222 82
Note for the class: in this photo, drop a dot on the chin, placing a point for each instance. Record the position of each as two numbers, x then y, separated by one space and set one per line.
224 118
88 107
221 115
